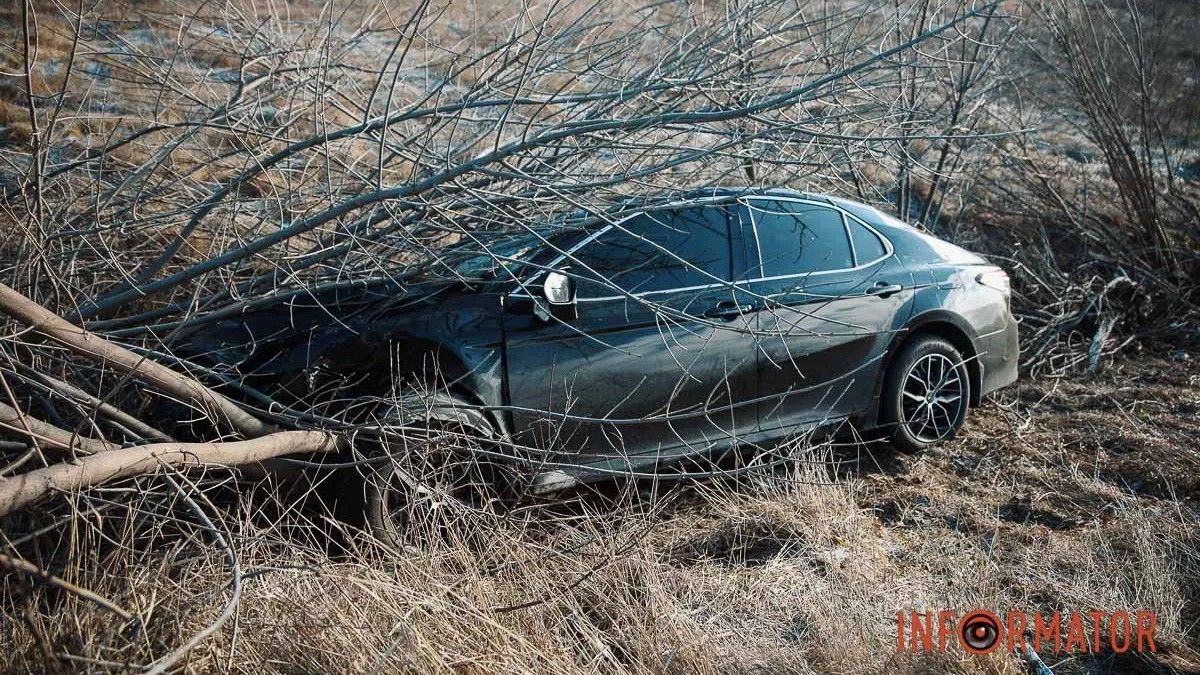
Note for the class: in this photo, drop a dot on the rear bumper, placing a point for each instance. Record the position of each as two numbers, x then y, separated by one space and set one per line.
998 354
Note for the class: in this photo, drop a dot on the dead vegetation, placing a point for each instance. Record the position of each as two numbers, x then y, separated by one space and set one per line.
163 166
790 572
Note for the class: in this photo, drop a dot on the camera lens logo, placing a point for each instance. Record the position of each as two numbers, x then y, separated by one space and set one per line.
979 632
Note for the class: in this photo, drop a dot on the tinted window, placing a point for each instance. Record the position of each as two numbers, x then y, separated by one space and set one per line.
657 251
797 238
867 246
506 256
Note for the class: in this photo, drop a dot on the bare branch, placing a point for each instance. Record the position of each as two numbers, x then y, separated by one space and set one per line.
20 491
156 375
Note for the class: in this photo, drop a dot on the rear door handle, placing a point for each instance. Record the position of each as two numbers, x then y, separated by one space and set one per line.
883 289
727 309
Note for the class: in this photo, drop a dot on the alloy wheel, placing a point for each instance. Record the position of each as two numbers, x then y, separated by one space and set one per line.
932 398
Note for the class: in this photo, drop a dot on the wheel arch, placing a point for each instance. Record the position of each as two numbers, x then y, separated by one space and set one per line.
947 326
385 368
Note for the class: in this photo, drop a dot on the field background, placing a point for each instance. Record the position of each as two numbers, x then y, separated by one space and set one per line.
1077 488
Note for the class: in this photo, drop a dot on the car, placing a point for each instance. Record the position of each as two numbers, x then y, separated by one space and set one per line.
670 330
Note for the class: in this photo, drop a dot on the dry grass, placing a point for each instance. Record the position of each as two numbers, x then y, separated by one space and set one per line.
1067 493
1043 504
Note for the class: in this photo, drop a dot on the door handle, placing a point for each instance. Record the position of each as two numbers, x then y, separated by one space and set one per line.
883 289
727 309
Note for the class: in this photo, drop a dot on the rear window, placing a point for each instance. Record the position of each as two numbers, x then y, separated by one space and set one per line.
798 238
867 246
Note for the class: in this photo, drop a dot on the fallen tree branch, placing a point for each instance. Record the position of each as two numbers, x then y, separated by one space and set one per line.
555 135
106 410
45 433
54 327
20 491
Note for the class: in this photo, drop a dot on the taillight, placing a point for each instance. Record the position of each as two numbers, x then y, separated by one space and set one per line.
997 279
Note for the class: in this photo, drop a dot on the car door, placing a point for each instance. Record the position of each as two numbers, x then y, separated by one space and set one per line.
832 297
659 356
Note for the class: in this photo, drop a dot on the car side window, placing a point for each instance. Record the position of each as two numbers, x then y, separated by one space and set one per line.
867 245
798 238
656 251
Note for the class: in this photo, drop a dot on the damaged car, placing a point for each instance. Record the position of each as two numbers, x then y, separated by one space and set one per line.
635 339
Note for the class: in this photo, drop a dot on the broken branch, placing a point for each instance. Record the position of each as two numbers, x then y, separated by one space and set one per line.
20 491
152 373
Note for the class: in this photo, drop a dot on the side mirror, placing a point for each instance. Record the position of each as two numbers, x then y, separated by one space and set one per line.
559 290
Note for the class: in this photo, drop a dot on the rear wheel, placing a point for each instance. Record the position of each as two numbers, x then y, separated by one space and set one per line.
926 395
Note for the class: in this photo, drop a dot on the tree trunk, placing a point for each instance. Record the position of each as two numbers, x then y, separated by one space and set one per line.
20 491
152 373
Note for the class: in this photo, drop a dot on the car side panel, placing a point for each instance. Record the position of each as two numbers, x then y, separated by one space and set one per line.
620 385
637 376
993 329
822 345
950 294
822 337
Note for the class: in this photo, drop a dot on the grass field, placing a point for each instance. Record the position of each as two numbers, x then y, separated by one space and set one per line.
1076 489
1068 494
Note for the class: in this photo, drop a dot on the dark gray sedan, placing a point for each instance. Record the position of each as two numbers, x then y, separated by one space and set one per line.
728 318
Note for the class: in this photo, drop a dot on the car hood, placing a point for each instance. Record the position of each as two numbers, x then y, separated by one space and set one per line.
342 325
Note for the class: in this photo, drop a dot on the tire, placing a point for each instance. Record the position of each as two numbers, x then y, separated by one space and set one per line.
430 481
926 394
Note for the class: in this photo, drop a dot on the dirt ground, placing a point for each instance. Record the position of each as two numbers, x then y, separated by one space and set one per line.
1066 494
1047 458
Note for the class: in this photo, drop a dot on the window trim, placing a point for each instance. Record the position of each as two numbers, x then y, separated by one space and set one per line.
889 249
887 245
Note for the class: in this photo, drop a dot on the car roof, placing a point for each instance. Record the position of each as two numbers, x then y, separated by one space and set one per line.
718 194
725 194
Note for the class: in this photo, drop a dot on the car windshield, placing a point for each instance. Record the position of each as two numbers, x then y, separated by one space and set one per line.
505 256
